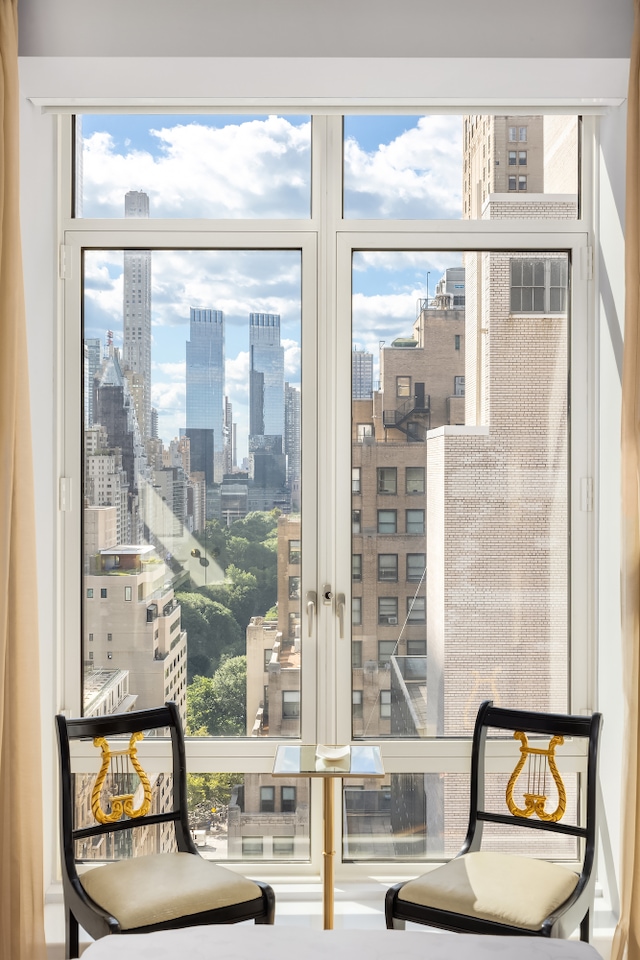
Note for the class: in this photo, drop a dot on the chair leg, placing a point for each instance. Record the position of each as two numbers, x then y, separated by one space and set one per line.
71 935
398 924
586 927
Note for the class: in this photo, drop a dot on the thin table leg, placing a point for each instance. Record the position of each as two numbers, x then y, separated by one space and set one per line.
328 852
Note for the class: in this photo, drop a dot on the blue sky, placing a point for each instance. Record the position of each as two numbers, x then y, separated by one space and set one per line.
250 166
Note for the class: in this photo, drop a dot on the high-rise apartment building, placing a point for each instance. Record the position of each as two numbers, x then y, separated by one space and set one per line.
266 375
136 313
205 383
92 358
361 374
292 432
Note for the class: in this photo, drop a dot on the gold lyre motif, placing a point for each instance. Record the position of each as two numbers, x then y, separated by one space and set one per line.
122 804
539 760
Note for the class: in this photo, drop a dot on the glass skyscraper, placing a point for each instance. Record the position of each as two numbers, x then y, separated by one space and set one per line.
266 375
205 381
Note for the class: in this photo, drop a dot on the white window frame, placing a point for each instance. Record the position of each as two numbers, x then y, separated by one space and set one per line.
327 243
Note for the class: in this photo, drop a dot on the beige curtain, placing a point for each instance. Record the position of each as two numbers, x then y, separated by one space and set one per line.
21 875
627 936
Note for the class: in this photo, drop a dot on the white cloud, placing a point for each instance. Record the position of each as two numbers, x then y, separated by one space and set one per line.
292 355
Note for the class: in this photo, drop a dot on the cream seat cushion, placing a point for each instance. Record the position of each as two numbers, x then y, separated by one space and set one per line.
518 891
164 886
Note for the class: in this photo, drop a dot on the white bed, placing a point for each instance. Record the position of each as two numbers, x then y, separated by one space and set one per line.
245 942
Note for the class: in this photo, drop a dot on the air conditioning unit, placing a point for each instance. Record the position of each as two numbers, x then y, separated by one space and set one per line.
392 621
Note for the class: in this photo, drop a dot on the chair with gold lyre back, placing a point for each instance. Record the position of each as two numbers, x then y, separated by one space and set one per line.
487 888
124 811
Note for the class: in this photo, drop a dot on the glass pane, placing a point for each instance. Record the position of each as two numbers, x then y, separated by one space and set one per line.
232 816
191 553
228 167
424 816
454 167
463 586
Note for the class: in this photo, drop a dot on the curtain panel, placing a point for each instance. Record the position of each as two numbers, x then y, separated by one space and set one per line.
21 839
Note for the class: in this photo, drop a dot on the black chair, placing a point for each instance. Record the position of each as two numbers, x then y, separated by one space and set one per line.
155 891
502 893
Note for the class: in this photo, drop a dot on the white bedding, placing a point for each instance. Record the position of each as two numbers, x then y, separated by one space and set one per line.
245 942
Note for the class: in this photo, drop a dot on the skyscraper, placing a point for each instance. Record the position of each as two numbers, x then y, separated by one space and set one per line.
92 357
361 375
137 314
292 432
205 383
266 375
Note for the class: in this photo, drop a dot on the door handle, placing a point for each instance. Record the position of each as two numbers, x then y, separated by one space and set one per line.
312 599
340 612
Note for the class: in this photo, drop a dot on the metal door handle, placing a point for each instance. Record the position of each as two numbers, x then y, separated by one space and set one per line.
312 599
340 612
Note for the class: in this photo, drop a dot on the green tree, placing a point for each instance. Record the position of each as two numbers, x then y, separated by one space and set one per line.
239 593
218 704
256 526
212 633
213 788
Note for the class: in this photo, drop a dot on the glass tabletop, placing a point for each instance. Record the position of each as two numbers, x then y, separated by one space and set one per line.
320 760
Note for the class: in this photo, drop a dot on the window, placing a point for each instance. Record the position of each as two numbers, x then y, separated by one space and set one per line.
355 480
356 611
290 704
522 134
252 847
539 286
403 386
294 588
267 799
414 480
513 158
90 638
415 566
415 521
513 183
522 183
103 593
387 566
522 158
356 704
388 610
355 521
387 521
456 340
288 799
128 594
356 567
416 609
416 648
284 846
356 654
109 637
268 653
387 479
89 593
386 649
458 386
364 431
294 552
385 704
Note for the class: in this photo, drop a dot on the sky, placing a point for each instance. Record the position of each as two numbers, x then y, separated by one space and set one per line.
236 167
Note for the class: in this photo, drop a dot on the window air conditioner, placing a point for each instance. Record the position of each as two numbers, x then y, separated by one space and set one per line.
392 621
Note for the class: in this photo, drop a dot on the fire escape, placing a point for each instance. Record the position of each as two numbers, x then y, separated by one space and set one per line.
412 417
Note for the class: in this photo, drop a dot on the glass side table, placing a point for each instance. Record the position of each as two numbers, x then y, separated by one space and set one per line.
327 762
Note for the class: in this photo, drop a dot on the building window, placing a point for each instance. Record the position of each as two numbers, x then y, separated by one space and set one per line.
386 649
456 340
416 609
355 521
385 704
109 637
539 286
415 566
522 158
458 386
414 480
267 799
415 521
103 593
128 594
355 480
90 638
268 653
513 183
356 704
513 157
89 593
387 566
294 588
356 654
416 648
522 134
288 799
356 567
388 610
283 846
522 183
387 479
363 431
90 654
252 847
356 611
403 386
387 521
294 622
290 704
294 552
